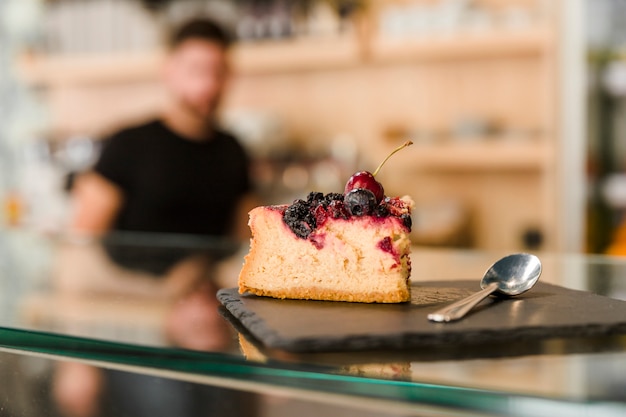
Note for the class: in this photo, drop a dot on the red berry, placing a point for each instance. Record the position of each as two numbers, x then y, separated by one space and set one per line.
365 180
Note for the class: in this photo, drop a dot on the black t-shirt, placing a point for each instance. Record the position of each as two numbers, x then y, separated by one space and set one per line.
172 184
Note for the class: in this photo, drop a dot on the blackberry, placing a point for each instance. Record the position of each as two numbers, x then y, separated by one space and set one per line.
299 218
332 197
315 198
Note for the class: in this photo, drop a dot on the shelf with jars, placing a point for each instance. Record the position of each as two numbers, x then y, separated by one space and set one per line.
300 54
281 38
381 72
247 58
459 46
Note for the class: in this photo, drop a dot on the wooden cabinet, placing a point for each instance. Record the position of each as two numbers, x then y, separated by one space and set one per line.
498 85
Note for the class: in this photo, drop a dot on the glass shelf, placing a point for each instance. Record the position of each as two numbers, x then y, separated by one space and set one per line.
113 328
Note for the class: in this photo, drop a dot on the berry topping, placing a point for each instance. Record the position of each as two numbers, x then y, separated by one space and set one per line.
381 210
333 197
304 217
300 219
338 210
314 197
407 221
360 202
366 180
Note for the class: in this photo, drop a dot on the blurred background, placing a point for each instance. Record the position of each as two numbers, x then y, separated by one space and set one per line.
516 107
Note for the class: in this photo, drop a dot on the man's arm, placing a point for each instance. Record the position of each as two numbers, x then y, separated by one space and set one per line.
97 203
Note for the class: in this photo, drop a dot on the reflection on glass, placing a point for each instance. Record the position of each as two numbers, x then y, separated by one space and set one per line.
83 291
134 288
157 290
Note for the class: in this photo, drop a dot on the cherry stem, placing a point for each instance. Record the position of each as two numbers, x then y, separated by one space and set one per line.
404 145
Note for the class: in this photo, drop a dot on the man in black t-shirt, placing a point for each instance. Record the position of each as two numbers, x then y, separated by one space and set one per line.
172 184
177 174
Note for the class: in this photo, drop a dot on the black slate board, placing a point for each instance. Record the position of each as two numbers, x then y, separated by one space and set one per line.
316 326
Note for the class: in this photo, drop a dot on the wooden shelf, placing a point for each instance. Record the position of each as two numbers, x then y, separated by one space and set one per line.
480 156
307 54
296 55
247 58
64 70
462 46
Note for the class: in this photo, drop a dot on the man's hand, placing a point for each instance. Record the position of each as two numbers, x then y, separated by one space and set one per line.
97 203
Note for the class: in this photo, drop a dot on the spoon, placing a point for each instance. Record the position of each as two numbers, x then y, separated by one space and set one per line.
510 276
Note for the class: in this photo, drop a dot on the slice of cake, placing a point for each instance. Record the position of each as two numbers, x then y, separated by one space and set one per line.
331 247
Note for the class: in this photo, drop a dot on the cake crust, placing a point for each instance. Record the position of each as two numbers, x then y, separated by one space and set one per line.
322 294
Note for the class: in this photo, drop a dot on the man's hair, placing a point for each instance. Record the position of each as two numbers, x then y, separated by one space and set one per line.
203 29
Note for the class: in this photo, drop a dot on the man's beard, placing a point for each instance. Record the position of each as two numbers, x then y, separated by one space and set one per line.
205 112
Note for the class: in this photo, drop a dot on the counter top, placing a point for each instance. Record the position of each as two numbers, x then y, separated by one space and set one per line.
66 300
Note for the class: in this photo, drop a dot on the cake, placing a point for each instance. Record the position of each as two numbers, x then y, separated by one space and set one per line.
317 250
351 247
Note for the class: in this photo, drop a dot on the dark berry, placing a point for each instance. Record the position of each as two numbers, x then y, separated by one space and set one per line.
407 221
299 218
360 201
365 180
333 197
381 210
338 210
314 198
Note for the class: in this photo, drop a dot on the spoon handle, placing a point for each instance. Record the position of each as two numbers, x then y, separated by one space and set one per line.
460 308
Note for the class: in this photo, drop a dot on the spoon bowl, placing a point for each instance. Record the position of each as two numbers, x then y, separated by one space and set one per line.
510 276
514 274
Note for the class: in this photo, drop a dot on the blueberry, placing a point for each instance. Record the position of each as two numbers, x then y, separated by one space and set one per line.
360 201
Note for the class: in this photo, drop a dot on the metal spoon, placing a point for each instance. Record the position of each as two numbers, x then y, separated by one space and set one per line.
510 276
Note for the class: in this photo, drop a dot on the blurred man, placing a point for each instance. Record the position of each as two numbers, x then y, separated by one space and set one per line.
176 174
179 173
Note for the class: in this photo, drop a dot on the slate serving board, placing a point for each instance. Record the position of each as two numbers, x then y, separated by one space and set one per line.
317 326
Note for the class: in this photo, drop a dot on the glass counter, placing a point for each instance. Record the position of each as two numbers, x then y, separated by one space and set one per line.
130 322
